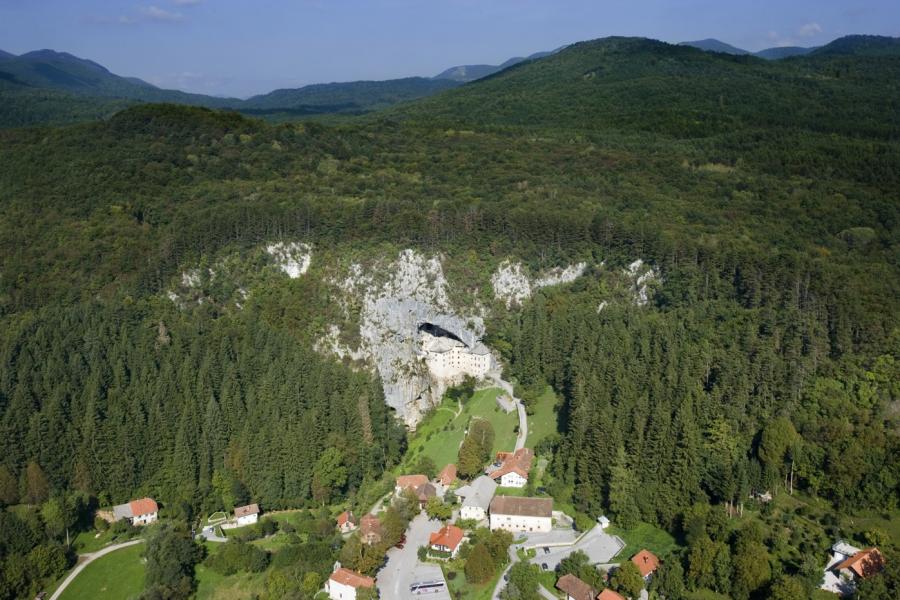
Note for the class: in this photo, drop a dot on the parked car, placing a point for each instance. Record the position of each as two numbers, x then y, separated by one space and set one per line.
546 550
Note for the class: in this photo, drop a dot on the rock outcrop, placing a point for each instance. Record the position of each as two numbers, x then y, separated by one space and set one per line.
395 300
512 283
293 258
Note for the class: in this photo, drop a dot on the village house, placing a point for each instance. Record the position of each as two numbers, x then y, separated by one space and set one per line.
447 539
521 514
424 492
476 498
608 594
246 515
137 512
574 588
848 564
346 522
344 583
449 358
646 562
447 475
370 530
409 482
514 468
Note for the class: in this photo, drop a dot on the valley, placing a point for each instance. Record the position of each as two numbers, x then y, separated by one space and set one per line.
618 319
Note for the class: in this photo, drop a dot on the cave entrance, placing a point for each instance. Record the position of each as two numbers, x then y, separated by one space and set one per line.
438 331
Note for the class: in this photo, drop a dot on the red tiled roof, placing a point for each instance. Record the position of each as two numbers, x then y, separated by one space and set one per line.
411 481
448 536
448 474
646 562
608 594
344 517
863 563
243 511
144 506
352 578
369 524
574 587
514 462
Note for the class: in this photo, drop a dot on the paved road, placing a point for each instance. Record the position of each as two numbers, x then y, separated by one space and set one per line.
209 534
523 418
86 559
600 548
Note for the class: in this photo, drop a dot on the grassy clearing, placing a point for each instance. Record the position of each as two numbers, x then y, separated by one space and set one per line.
240 586
440 435
117 576
543 422
460 588
643 536
89 541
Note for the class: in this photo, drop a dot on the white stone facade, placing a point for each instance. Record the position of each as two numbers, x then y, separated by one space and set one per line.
513 480
521 523
450 359
340 591
144 519
247 519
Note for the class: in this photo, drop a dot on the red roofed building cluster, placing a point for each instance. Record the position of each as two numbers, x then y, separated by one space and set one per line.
137 512
447 475
346 521
370 529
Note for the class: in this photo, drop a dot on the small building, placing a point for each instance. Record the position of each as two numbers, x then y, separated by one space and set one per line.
451 359
574 588
424 492
447 539
476 498
521 514
370 530
343 584
346 521
848 565
137 512
603 522
409 482
608 594
447 475
246 515
514 468
646 562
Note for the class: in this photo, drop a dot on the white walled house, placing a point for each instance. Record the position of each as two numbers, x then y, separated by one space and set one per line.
343 584
514 468
137 512
526 515
246 515
476 498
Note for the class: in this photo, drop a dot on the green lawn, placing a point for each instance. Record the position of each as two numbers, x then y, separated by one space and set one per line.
459 587
117 576
643 536
88 541
543 422
240 586
441 433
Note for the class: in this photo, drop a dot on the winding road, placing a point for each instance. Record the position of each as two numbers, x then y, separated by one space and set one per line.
523 418
86 559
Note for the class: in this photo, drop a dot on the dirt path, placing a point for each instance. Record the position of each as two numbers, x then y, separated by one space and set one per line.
86 559
523 418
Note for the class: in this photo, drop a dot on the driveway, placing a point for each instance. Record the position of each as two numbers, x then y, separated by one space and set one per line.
403 567
600 548
209 534
86 559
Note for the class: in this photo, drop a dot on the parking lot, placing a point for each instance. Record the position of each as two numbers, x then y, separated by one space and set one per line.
600 548
403 567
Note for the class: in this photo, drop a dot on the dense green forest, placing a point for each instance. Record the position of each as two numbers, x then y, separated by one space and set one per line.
763 193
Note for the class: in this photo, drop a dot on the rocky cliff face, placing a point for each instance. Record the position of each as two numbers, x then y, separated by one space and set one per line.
513 284
395 300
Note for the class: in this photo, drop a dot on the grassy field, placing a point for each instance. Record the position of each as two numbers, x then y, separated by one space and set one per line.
459 587
440 435
117 576
543 422
643 536
240 586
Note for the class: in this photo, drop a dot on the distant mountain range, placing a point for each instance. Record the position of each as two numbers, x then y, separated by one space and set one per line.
46 86
466 73
776 53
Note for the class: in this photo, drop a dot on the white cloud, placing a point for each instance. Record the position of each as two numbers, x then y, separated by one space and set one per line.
809 30
155 13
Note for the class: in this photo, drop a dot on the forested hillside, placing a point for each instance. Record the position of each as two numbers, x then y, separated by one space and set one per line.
764 195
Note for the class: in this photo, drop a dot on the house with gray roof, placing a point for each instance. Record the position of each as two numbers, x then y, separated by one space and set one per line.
476 498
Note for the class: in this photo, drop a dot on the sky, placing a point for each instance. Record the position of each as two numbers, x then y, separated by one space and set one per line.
245 47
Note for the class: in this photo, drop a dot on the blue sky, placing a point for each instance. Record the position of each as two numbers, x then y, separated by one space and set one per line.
244 47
